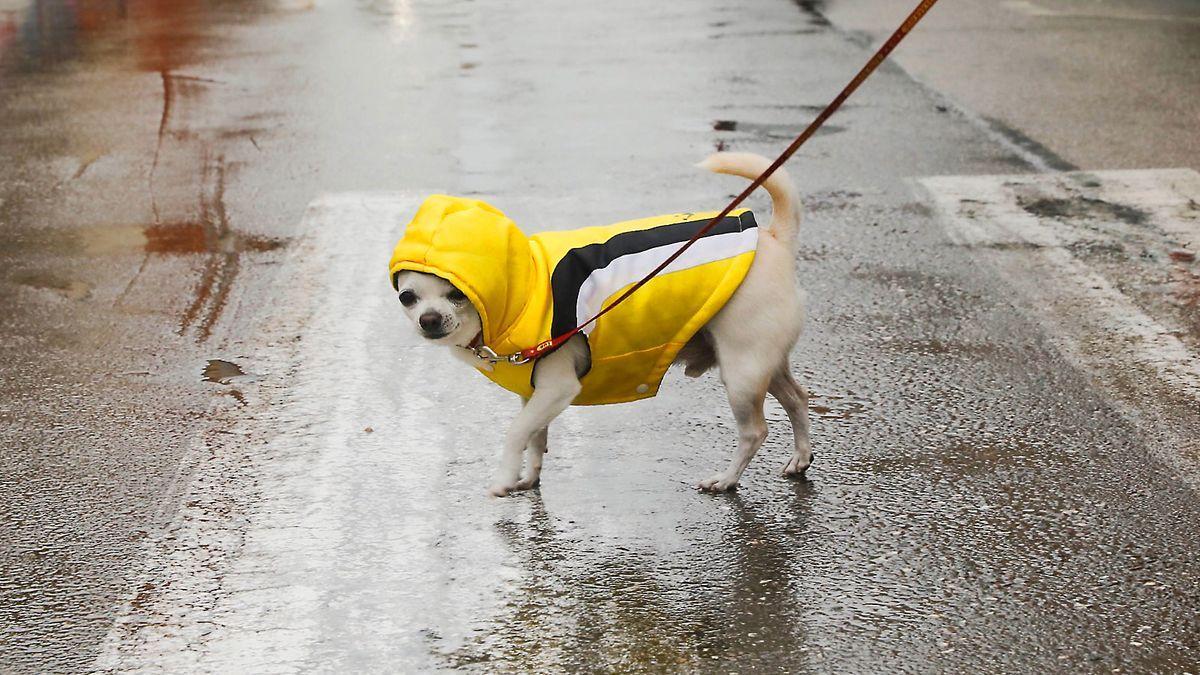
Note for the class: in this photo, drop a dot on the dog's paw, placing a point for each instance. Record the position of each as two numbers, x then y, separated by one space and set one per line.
506 489
798 465
528 483
717 483
501 489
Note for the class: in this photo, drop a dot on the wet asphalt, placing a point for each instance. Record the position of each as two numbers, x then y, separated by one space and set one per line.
1040 60
190 181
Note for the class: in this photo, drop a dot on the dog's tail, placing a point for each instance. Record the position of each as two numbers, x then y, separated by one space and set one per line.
785 203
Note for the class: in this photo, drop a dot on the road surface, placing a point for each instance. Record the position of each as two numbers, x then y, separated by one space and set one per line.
225 452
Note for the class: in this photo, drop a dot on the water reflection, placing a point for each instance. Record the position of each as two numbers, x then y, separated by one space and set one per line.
162 34
626 606
48 31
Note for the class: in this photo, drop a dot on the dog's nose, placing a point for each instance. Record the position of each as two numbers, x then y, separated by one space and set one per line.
430 320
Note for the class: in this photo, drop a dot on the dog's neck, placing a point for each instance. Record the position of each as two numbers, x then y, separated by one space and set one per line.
468 355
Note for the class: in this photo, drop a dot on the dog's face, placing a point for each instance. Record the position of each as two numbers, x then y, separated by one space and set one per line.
441 312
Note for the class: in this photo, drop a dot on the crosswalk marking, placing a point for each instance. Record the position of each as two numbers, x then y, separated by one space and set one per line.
1041 231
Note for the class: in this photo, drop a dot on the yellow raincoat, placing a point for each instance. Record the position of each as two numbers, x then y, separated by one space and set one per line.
529 289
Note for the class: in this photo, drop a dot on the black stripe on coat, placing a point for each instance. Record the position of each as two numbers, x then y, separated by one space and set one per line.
578 264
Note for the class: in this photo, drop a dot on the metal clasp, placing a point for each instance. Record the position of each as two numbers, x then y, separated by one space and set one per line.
486 353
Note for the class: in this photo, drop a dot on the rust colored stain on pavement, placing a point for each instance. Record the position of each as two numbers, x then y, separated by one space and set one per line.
224 246
117 256
195 237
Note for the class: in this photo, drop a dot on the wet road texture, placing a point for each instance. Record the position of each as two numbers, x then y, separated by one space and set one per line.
224 452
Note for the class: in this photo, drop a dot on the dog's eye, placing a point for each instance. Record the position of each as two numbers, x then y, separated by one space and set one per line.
457 296
408 298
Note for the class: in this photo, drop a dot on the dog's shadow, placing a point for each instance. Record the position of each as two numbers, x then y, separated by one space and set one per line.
584 602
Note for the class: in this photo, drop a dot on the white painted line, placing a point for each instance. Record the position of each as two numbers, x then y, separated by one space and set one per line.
297 546
1031 226
984 211
1033 9
1170 196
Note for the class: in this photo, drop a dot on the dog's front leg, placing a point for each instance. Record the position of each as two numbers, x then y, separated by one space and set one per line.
534 455
555 385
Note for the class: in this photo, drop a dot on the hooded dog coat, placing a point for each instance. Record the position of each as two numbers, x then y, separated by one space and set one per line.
529 289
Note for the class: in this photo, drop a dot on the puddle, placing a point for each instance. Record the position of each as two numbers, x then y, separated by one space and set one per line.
920 209
771 130
815 11
897 277
71 289
834 199
227 372
741 35
1013 246
180 238
210 236
935 346
1092 248
171 238
1082 207
837 407
810 108
959 459
224 372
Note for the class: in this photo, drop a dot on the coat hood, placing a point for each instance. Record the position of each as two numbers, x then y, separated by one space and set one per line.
474 246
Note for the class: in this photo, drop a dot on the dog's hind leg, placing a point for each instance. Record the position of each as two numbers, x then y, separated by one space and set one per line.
794 400
746 382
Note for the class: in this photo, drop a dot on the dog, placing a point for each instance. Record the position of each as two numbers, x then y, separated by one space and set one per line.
748 339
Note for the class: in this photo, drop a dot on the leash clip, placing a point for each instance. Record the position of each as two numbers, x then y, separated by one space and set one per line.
486 353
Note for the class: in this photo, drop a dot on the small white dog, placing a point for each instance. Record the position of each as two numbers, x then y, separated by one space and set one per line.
749 339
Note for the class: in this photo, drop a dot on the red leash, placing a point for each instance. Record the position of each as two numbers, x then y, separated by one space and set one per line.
526 355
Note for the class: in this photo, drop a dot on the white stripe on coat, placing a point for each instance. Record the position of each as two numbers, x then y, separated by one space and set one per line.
604 282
